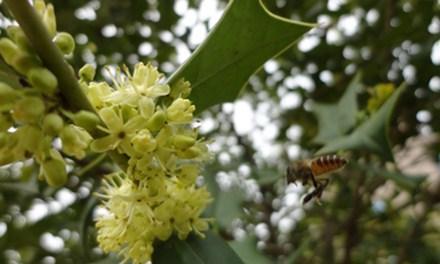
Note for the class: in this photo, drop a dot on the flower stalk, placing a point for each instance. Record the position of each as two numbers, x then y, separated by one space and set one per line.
53 59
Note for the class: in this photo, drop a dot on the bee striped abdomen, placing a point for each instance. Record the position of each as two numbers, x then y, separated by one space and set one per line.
326 164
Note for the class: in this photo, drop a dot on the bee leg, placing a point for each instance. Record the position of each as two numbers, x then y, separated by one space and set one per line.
309 196
315 184
312 194
320 189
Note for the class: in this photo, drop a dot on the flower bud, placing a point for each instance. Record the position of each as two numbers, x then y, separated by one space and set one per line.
8 50
143 141
54 169
97 92
157 121
87 73
145 75
43 80
6 157
5 121
7 96
18 36
3 139
49 20
180 111
86 119
64 42
23 62
75 140
40 6
181 89
26 172
182 141
52 124
28 110
384 90
190 153
188 173
30 138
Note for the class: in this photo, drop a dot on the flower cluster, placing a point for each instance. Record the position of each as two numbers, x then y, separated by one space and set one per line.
31 115
138 116
157 196
379 95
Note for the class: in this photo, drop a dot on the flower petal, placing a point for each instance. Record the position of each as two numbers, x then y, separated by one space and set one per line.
111 119
105 143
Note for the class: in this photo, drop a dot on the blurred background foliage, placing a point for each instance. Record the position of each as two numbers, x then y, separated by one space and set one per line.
374 211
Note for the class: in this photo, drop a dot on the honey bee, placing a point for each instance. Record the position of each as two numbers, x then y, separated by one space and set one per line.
315 170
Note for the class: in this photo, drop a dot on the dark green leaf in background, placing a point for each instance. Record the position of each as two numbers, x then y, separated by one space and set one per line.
334 120
248 252
195 250
407 182
372 135
244 39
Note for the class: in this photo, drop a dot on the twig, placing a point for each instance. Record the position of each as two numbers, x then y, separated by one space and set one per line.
351 226
53 59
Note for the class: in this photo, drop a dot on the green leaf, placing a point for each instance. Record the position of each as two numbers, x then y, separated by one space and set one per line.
111 259
246 37
226 206
195 250
407 182
248 252
343 113
372 135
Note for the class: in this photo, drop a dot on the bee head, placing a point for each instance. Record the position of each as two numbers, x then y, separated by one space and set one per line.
297 171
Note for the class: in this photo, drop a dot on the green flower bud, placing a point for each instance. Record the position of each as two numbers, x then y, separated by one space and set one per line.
52 124
28 110
86 119
49 20
64 42
143 141
5 121
384 90
3 139
7 96
6 157
145 75
75 141
181 89
157 121
180 111
18 36
190 153
188 173
40 6
8 50
182 141
87 73
23 62
43 80
30 138
54 169
26 172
